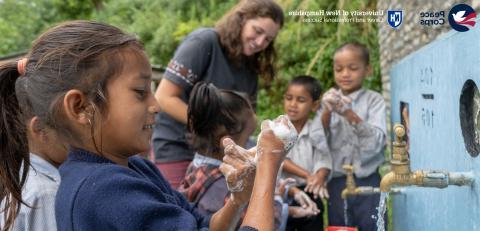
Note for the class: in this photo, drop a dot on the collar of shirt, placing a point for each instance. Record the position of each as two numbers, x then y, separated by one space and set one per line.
199 159
356 94
305 129
44 167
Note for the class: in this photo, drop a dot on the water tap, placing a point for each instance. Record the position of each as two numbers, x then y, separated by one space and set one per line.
401 175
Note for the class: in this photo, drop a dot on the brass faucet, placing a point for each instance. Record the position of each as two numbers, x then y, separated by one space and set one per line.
351 188
401 175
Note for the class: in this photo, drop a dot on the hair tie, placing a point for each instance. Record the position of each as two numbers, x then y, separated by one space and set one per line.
21 64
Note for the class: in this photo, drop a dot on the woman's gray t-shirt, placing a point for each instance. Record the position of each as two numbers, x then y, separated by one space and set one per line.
199 57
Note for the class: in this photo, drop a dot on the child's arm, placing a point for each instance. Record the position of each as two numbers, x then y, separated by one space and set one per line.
322 165
326 115
290 167
371 132
270 154
184 70
316 183
351 117
236 165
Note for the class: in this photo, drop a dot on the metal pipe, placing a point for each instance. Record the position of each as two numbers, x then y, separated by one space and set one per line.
402 176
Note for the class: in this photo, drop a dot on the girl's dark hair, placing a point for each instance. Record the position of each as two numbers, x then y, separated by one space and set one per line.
213 113
309 83
364 53
230 26
81 55
13 144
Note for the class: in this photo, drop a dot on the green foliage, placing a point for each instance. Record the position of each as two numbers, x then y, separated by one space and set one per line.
15 25
302 48
21 21
74 9
307 48
161 24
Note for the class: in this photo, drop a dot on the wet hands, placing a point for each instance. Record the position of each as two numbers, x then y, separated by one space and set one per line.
283 185
307 206
238 167
276 138
334 100
317 186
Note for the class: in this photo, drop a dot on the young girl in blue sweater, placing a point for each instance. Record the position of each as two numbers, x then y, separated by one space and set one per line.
90 82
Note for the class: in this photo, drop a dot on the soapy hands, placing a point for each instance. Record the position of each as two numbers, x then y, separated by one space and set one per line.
239 165
283 131
334 100
307 207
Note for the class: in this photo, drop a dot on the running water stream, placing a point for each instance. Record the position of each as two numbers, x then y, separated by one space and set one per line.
345 212
382 207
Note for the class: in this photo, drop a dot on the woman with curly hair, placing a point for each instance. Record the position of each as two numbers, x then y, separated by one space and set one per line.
232 56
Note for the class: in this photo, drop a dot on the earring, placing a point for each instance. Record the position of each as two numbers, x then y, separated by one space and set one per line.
89 121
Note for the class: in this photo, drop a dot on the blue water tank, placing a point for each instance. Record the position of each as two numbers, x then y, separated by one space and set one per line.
435 88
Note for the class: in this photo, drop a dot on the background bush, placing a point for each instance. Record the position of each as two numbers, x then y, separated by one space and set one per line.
303 48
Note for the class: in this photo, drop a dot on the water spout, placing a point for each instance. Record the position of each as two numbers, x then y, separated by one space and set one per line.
351 188
401 175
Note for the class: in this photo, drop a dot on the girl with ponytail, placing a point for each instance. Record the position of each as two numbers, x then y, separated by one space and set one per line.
78 80
212 115
13 142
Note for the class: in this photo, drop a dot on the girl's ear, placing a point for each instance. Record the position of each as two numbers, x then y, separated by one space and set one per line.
316 105
35 130
33 125
76 105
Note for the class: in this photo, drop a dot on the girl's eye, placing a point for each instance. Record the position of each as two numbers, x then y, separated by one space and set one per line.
141 93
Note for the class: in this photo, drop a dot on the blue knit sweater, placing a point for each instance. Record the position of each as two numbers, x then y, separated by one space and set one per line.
97 194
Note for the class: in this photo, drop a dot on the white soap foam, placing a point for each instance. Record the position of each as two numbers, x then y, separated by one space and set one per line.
287 134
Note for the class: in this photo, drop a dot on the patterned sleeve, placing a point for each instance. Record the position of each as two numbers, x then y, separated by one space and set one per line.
190 61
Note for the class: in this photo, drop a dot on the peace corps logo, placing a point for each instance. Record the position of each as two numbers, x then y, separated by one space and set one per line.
394 18
462 17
